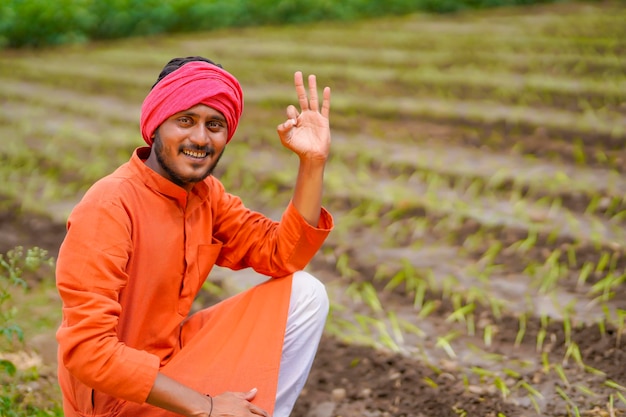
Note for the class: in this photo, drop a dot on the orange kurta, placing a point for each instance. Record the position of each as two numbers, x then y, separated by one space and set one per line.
137 251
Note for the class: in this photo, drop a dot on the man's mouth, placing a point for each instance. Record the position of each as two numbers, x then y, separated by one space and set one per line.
195 154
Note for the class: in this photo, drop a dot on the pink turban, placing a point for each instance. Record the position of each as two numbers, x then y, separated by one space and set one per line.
194 83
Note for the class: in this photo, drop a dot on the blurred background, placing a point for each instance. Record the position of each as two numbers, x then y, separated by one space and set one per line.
476 180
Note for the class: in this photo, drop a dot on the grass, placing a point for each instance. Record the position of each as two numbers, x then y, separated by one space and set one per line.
476 174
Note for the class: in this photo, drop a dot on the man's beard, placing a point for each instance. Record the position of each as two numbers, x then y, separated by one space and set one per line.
175 177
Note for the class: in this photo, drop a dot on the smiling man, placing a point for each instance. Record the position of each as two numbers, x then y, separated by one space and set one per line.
143 240
199 156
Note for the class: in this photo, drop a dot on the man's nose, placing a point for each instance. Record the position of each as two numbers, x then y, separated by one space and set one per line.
200 135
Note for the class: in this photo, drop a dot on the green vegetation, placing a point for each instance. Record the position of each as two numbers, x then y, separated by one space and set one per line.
477 177
19 370
41 22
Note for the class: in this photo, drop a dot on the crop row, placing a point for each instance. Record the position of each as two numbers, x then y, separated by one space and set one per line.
420 78
476 311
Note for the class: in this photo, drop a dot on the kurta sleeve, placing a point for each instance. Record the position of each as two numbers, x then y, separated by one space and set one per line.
91 273
273 248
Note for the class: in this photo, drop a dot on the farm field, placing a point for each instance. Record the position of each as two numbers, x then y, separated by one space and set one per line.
477 181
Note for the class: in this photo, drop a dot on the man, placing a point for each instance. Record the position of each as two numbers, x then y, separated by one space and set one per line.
142 241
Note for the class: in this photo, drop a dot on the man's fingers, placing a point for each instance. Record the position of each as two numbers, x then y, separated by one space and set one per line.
258 411
301 91
251 394
326 103
313 104
292 112
310 102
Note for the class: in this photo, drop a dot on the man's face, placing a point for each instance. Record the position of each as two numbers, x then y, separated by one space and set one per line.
188 145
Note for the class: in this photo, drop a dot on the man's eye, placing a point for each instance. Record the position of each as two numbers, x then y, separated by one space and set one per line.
185 120
214 124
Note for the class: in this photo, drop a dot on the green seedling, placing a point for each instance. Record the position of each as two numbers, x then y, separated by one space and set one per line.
555 207
491 253
512 373
428 307
585 271
340 327
396 327
488 334
449 286
471 324
429 381
573 351
594 371
550 280
561 373
567 328
578 151
532 268
545 362
496 307
529 242
475 294
601 157
619 217
613 207
565 397
553 236
482 372
343 266
533 394
502 387
571 257
487 356
601 327
370 297
444 343
593 204
461 313
385 338
523 318
466 382
585 390
459 411
605 287
612 384
420 295
411 328
603 262
411 276
381 273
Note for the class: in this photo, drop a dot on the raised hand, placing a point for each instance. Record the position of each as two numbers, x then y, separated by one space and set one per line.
307 133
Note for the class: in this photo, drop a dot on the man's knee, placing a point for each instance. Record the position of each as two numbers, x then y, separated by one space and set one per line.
310 293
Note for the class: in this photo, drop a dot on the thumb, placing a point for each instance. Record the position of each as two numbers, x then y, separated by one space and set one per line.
251 394
285 130
286 126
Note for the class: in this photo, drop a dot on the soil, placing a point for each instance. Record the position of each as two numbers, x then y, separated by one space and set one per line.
560 357
349 379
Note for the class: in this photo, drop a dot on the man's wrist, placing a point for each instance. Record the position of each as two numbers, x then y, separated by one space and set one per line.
205 408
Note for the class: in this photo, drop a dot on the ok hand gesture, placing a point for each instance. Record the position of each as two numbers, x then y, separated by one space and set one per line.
307 133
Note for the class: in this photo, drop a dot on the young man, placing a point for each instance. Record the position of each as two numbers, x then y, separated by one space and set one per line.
143 240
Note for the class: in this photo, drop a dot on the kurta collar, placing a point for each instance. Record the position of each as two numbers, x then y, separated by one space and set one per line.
162 185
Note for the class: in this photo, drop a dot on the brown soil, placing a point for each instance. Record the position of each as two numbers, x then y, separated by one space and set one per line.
354 380
382 176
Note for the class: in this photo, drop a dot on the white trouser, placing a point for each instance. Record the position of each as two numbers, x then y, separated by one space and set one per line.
308 310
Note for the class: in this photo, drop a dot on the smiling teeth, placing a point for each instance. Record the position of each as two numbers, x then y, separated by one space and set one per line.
195 154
